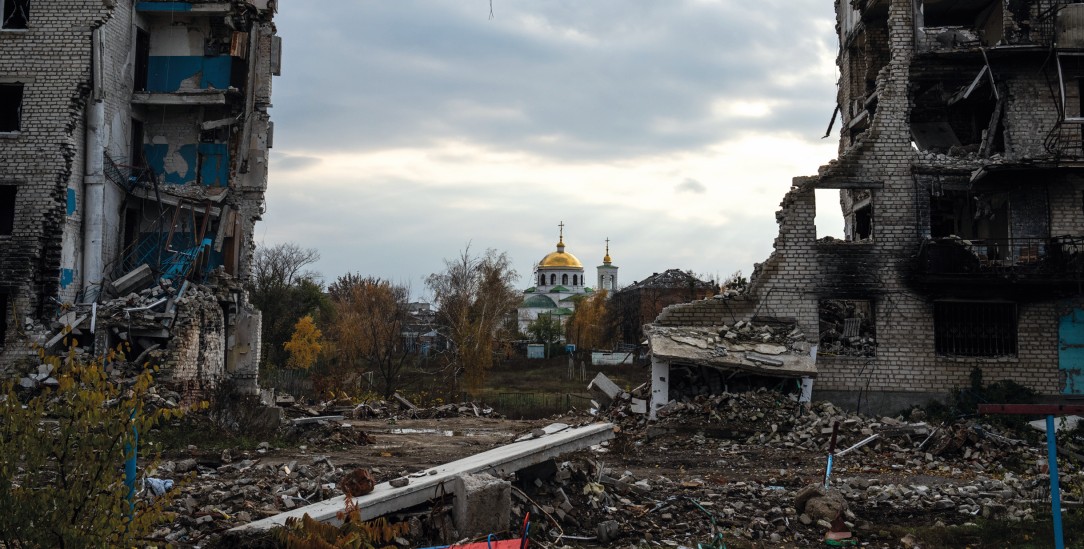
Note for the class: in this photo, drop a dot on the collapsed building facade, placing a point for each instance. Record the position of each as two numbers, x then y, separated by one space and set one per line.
134 140
960 181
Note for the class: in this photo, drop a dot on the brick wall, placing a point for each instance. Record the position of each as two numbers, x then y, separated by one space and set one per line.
801 271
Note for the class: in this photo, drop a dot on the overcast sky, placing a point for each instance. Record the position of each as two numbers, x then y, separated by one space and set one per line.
405 130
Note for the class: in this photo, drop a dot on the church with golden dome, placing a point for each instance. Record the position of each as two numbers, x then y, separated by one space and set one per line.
559 280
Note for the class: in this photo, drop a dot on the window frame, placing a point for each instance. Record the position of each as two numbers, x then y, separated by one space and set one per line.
976 329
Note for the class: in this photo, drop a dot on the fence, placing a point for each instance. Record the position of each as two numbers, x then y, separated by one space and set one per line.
297 383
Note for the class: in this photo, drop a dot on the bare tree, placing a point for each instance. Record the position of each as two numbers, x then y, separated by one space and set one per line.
284 290
474 296
281 266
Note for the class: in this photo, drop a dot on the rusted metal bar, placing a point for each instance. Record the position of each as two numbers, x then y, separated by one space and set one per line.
1032 409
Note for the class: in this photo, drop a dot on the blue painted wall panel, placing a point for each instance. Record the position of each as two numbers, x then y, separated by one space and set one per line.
165 73
71 201
155 155
1071 352
214 164
164 6
67 276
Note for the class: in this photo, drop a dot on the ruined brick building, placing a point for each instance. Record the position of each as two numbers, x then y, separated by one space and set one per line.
134 140
961 181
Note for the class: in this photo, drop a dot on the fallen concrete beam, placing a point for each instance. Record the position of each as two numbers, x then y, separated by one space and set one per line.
316 419
498 462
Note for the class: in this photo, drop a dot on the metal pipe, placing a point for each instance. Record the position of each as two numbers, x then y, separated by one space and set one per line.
93 178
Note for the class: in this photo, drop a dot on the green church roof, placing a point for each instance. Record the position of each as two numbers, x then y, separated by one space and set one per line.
538 302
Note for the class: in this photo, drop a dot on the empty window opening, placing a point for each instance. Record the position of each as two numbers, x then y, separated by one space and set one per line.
11 107
575 280
863 222
958 117
958 13
553 280
847 328
975 329
142 60
541 280
15 14
7 209
564 279
867 55
829 220
964 215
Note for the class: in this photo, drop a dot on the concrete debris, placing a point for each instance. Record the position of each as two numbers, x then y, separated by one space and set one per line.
394 409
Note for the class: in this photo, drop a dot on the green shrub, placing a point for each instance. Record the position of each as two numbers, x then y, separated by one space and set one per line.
64 448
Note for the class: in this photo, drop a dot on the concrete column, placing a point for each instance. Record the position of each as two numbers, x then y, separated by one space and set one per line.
660 385
482 505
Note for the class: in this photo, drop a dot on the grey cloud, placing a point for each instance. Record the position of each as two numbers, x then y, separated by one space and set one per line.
290 162
376 74
691 186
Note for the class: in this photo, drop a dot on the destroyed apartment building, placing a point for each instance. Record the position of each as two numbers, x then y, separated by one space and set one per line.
961 181
134 140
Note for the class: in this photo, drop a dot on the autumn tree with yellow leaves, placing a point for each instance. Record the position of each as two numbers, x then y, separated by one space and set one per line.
370 315
305 344
587 327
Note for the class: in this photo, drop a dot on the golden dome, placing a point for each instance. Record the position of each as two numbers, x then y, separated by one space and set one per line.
560 258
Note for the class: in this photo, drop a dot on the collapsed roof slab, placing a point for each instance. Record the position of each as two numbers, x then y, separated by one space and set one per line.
500 461
703 347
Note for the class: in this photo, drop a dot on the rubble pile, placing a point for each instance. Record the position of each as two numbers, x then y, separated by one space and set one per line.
212 495
741 415
333 433
387 409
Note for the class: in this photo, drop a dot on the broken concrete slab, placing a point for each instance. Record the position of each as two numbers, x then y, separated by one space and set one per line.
136 279
604 385
499 462
316 419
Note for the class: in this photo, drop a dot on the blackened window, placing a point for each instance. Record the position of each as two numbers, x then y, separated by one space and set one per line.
15 14
978 329
11 106
3 318
7 209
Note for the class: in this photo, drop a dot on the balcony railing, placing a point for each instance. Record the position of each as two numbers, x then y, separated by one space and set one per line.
1053 256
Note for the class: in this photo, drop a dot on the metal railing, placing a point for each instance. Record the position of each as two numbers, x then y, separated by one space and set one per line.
958 256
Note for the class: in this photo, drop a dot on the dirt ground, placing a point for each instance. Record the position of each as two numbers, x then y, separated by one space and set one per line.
713 470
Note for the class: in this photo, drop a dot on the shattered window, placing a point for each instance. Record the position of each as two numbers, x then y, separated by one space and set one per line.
15 14
974 329
7 209
847 328
11 106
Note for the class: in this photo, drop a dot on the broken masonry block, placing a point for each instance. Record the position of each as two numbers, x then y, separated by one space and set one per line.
482 505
